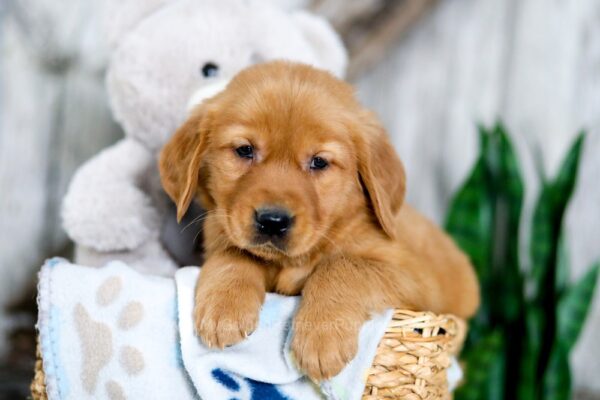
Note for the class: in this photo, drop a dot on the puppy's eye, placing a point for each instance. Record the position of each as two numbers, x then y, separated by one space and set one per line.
246 151
318 163
210 70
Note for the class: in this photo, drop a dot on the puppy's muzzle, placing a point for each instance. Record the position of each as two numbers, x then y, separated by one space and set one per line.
272 224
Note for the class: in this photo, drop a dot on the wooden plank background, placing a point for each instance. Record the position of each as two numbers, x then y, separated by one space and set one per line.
533 63
53 116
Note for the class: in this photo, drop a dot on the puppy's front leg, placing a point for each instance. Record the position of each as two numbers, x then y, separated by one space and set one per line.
336 300
229 295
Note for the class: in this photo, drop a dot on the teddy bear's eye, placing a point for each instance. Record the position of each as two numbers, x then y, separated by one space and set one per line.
210 70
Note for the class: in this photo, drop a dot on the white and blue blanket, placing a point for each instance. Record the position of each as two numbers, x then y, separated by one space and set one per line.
113 333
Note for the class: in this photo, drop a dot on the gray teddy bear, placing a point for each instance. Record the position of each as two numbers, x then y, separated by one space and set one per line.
168 55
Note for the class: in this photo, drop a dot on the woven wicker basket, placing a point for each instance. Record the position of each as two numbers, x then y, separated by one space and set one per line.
410 363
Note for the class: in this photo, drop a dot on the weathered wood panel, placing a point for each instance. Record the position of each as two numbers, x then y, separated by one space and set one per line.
53 116
446 76
536 65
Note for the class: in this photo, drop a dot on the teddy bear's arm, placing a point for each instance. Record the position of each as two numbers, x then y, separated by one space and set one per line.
105 208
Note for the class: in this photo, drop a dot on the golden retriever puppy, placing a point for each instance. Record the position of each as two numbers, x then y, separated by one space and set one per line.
305 196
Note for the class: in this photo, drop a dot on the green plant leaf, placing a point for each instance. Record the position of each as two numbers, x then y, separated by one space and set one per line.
567 174
470 223
547 220
469 220
557 378
518 346
509 189
562 266
547 276
510 183
496 383
484 138
507 305
479 373
573 308
542 240
528 385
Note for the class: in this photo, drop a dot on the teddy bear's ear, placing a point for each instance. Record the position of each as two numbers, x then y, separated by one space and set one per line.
326 43
123 15
288 5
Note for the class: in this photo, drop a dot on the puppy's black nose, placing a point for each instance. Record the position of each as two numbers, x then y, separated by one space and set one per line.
273 222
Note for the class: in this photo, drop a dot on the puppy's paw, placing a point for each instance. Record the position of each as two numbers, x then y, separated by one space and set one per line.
226 318
322 347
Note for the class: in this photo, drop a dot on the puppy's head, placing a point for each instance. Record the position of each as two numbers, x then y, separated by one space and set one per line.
280 158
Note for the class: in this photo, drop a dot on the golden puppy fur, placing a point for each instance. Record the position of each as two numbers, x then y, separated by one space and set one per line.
354 249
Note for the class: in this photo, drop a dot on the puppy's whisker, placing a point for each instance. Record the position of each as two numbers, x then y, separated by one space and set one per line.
322 229
217 240
199 218
216 213
202 217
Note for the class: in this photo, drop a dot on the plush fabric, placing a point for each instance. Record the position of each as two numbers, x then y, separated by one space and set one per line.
115 333
115 207
109 333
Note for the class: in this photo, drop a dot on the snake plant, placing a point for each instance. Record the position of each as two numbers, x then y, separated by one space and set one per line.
530 318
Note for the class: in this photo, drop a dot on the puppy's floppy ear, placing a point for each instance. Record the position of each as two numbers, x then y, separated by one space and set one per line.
381 172
180 160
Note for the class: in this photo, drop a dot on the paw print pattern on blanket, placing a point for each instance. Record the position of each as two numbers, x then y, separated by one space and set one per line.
96 339
258 390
